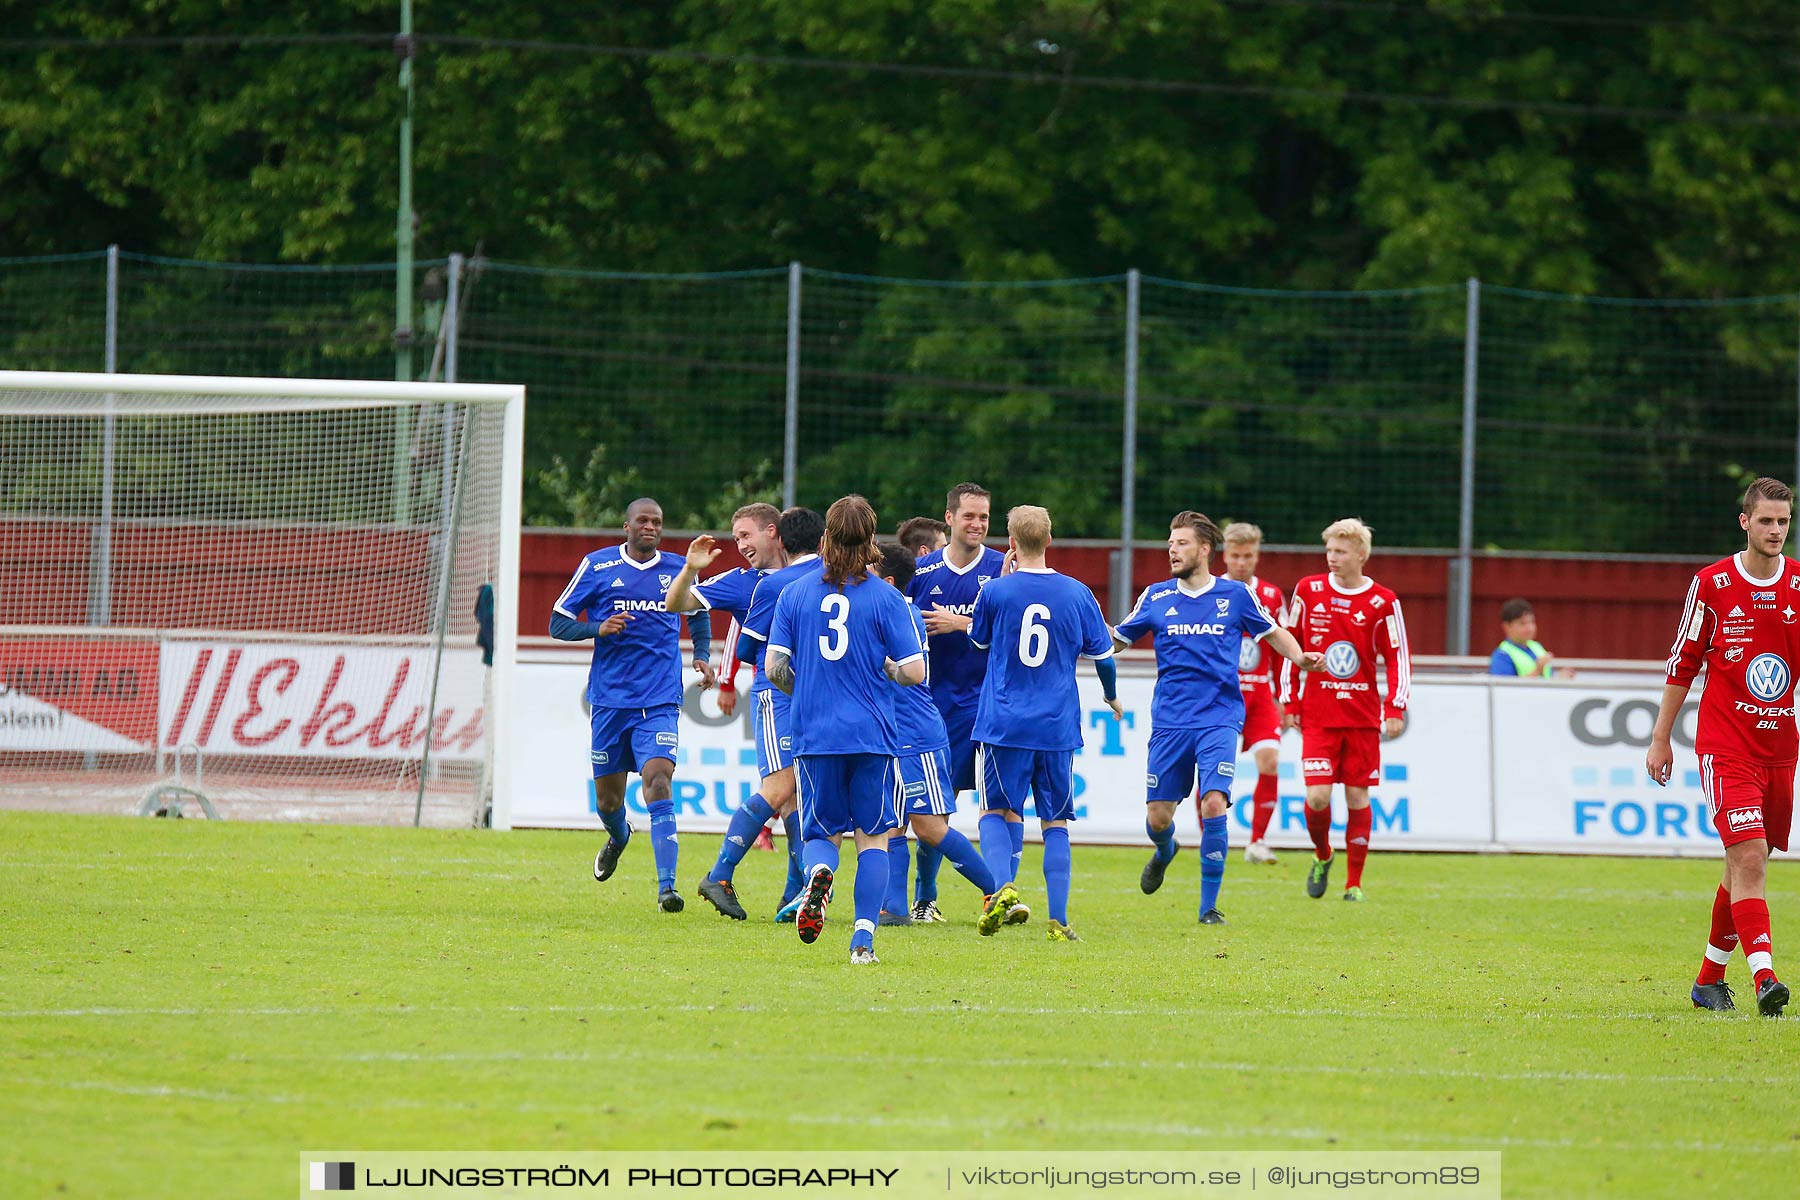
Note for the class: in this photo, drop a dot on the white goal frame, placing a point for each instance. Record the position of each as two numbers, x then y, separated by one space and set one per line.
69 388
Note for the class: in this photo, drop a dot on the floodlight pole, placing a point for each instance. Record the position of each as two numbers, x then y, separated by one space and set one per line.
403 272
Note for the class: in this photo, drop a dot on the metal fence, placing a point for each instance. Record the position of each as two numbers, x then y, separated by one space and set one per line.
1458 417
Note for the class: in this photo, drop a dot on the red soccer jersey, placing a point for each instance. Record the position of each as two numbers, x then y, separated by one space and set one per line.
1350 629
1747 633
1256 661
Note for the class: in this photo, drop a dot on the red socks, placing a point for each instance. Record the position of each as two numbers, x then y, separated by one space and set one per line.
1264 800
1720 942
1751 920
1357 824
1318 826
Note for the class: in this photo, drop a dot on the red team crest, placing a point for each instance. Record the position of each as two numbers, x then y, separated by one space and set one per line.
1746 633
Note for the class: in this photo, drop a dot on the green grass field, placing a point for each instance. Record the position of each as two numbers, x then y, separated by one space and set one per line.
185 1005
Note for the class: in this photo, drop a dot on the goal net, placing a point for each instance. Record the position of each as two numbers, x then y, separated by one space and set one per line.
270 593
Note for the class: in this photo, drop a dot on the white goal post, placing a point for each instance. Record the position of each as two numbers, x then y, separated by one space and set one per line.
271 593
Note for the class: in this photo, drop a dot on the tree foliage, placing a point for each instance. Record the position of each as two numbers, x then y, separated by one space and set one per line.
1641 150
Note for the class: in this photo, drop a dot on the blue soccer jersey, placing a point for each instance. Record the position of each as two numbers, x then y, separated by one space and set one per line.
729 592
838 639
921 725
1034 624
640 666
1198 638
957 665
760 617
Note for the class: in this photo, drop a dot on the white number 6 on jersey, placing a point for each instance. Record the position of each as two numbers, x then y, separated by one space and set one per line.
1034 639
836 608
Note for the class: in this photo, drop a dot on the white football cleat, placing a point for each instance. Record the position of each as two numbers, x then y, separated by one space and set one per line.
1257 852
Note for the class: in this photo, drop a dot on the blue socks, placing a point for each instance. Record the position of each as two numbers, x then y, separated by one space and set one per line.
820 852
1215 846
615 824
871 889
1058 866
1016 831
996 847
930 859
967 860
740 835
1165 842
662 841
796 879
899 859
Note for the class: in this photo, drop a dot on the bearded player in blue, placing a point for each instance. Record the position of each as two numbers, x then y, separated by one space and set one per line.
634 684
840 641
944 588
1198 622
1034 623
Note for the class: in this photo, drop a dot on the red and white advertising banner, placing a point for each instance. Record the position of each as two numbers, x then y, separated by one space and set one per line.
77 694
319 701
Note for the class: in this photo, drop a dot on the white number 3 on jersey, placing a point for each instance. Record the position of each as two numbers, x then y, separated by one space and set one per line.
836 608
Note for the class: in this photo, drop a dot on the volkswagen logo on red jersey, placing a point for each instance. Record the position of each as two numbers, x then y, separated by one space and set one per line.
1767 677
1343 661
1249 654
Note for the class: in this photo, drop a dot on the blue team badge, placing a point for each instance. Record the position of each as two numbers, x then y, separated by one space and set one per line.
1767 677
665 581
1343 661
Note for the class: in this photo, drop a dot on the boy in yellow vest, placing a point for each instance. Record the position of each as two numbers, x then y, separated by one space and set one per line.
1521 653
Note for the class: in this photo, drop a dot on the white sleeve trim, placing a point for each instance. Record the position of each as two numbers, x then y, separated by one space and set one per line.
978 645
900 662
751 633
782 650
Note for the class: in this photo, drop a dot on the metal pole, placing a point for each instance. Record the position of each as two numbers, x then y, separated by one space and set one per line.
790 445
1121 599
1465 520
403 272
1796 482
452 317
100 583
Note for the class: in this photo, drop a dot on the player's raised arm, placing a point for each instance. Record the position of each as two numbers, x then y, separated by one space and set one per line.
700 555
1136 623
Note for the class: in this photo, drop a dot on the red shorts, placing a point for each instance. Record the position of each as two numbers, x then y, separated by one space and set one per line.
1262 719
1748 800
1351 757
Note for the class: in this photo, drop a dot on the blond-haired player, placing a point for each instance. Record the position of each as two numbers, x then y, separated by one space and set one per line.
1341 715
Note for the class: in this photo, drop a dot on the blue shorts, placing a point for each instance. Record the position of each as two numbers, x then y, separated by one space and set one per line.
774 736
925 784
1177 754
843 793
1008 772
959 723
624 739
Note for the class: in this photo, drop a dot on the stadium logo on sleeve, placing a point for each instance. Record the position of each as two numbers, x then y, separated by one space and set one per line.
1342 660
1767 677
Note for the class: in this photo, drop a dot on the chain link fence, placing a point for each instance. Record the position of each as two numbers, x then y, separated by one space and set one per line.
1460 417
